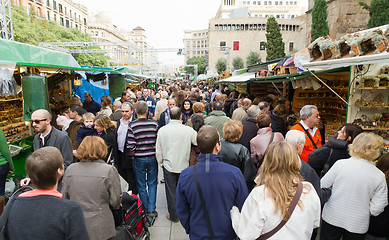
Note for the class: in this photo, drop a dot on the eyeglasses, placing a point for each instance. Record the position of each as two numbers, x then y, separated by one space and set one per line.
37 121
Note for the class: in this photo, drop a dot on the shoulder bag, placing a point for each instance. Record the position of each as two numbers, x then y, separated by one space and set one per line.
206 214
309 135
7 210
290 210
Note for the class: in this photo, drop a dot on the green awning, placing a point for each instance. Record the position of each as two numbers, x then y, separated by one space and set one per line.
29 55
295 76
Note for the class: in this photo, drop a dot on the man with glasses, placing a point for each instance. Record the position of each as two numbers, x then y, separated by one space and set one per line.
49 136
310 118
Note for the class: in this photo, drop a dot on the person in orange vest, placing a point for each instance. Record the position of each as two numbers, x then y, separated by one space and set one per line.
310 118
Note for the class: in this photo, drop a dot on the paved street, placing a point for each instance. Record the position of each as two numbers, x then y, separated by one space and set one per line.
163 229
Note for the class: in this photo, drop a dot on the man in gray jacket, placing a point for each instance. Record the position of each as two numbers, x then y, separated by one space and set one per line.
217 118
49 136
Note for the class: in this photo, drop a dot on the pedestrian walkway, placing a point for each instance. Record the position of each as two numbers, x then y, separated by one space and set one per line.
164 229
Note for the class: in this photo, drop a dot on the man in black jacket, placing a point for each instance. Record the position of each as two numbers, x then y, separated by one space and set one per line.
250 127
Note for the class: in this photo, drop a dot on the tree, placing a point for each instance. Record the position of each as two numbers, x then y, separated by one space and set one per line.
32 30
275 46
237 63
319 26
378 12
253 58
221 65
201 65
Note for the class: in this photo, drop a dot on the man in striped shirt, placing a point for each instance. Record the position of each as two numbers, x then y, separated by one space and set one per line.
142 135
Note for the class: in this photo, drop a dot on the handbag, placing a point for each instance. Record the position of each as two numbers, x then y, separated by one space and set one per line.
206 214
7 210
291 208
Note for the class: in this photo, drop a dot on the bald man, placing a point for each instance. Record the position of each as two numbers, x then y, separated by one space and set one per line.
50 136
241 113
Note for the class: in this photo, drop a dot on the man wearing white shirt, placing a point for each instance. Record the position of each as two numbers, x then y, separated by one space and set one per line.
310 118
173 150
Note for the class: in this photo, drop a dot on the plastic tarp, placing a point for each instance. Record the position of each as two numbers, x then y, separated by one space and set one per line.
242 78
22 53
96 89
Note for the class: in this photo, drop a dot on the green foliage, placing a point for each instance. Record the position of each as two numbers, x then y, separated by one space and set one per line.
319 26
200 61
253 58
378 12
32 30
275 46
221 65
237 63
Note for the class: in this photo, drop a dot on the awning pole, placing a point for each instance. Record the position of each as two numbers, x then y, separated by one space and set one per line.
328 87
277 89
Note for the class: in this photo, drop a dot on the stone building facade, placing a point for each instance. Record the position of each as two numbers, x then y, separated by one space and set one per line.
343 16
194 40
243 35
64 12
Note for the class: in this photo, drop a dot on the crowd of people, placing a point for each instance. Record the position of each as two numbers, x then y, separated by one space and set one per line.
234 166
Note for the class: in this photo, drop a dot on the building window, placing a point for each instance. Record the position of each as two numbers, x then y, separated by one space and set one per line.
229 28
66 12
290 46
48 15
254 2
287 3
295 2
222 45
248 2
77 26
75 16
236 46
265 3
67 23
84 21
61 21
55 5
280 2
60 8
276 3
262 46
269 2
233 27
70 14
48 3
55 17
244 2
277 16
195 34
259 2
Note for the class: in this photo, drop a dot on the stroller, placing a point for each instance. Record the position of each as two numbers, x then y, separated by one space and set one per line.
133 220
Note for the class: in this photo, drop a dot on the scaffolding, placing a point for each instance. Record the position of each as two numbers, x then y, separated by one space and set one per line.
6 20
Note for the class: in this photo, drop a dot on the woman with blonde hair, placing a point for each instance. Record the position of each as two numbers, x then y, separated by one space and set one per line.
359 190
267 205
94 185
105 129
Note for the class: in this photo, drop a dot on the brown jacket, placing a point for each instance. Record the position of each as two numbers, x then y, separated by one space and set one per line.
72 133
96 187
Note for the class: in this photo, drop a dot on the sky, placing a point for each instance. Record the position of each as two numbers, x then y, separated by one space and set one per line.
164 21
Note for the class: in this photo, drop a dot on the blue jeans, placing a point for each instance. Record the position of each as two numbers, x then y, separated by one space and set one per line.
146 171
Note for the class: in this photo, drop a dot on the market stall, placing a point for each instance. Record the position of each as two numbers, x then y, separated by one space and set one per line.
368 101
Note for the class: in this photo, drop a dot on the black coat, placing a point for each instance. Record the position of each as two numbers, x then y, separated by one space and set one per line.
250 130
319 157
109 138
126 161
238 155
309 175
278 124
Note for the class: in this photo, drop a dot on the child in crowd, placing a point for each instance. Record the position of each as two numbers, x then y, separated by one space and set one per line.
87 127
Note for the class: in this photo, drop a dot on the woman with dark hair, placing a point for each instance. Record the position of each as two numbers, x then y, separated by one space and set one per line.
106 106
94 185
186 110
197 121
325 157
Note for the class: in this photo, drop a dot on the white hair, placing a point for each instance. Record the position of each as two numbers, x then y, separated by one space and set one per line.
253 111
164 94
306 111
295 137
